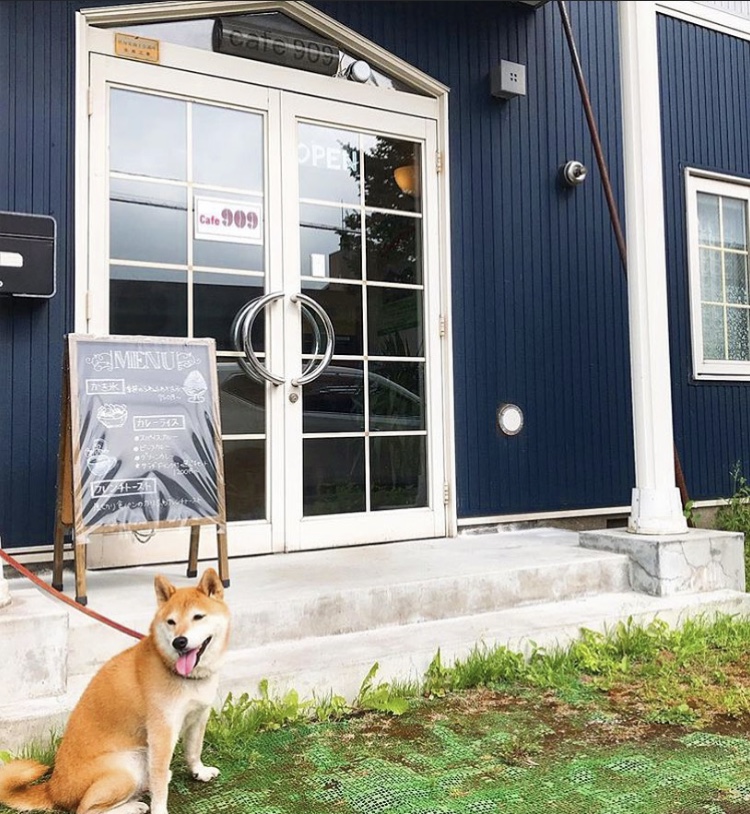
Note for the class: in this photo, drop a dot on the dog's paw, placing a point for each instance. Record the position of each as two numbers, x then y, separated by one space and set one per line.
133 807
205 773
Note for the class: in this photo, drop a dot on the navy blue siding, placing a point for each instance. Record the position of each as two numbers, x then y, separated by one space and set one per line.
539 300
36 158
705 124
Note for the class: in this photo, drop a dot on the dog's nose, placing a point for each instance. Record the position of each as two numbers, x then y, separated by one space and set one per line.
180 643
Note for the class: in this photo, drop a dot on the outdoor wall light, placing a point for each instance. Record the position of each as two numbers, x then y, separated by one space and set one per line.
573 173
359 71
510 419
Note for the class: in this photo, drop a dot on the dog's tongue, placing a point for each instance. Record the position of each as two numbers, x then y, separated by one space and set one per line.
186 662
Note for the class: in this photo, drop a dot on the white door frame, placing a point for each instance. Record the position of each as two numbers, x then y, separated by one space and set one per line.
101 40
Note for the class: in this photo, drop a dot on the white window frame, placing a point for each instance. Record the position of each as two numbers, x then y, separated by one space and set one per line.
696 182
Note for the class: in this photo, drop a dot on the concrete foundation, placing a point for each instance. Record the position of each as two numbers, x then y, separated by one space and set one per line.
34 637
698 560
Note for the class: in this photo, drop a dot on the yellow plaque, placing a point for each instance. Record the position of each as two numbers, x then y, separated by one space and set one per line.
127 45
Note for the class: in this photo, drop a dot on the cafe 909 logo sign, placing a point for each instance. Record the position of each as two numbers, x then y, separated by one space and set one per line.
228 221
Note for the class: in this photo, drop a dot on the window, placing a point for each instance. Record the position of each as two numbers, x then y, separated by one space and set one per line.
718 211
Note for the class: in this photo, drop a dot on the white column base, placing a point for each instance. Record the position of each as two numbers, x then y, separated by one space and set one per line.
656 511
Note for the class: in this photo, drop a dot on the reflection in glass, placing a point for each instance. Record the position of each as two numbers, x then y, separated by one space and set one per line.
227 148
245 472
712 318
711 287
330 242
242 401
394 248
328 164
394 322
738 335
396 396
398 466
147 135
335 401
216 300
734 219
709 231
333 475
392 174
735 277
148 222
343 304
150 302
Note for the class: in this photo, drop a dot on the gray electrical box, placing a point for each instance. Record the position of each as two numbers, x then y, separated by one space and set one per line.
27 254
508 79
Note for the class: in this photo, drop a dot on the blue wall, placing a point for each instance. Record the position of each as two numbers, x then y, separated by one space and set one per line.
539 300
704 86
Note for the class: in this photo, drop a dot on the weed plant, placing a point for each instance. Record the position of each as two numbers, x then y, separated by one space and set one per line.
734 515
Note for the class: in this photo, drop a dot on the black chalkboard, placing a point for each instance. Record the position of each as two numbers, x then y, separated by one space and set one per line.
146 438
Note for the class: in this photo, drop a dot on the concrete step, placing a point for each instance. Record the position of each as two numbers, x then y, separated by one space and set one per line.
340 662
325 593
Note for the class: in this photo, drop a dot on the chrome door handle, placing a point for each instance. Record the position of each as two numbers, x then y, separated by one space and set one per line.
241 334
310 308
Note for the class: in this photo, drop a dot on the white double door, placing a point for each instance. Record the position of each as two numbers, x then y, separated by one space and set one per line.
208 194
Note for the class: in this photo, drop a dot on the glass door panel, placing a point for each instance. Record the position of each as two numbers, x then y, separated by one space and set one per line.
186 243
365 427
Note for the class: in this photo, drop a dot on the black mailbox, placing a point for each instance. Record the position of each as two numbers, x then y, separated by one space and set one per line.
27 254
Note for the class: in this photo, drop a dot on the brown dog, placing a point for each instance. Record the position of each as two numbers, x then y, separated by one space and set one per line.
121 735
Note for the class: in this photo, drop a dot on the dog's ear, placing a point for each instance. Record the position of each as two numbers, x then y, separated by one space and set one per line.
164 589
210 584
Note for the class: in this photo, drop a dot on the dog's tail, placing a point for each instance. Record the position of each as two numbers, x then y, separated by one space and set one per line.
16 790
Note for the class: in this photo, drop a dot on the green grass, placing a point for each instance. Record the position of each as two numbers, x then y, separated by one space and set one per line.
644 718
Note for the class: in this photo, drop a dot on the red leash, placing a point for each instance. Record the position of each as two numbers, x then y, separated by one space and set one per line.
67 600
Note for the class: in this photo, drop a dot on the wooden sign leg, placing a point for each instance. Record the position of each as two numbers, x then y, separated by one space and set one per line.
80 566
57 562
195 535
221 542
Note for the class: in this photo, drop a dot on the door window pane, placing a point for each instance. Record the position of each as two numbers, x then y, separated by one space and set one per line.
148 135
394 248
148 222
394 318
396 396
330 242
328 164
333 475
216 300
147 302
242 401
399 469
245 472
227 148
335 401
392 174
343 304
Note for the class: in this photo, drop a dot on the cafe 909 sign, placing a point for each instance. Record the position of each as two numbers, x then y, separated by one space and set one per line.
146 437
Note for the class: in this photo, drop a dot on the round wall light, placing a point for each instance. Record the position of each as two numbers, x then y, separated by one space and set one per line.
510 418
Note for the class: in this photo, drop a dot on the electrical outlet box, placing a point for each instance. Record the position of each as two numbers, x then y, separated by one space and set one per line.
507 80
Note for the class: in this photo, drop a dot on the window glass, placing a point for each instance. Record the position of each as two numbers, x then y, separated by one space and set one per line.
720 286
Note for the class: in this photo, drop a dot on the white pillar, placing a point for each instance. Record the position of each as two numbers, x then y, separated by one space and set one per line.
656 506
4 592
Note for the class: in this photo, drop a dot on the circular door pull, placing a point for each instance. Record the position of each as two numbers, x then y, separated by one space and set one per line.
241 334
312 309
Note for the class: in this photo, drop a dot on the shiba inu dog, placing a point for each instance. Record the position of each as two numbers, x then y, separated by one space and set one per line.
119 740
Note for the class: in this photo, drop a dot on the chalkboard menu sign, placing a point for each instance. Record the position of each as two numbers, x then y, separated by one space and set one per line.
146 438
